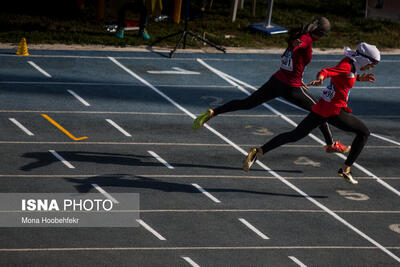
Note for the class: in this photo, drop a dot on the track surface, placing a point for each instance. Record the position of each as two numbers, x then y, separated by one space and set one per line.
290 210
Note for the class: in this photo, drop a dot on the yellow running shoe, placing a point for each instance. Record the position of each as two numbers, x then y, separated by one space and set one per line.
252 156
203 118
347 176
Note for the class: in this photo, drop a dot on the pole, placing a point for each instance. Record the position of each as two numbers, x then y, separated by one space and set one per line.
269 15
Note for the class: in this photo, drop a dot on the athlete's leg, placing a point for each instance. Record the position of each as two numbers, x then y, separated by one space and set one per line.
265 93
305 100
305 127
350 123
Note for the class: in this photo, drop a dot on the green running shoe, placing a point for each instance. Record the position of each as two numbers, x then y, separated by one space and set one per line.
203 118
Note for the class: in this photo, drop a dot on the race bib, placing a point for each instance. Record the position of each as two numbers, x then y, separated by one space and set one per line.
287 61
328 93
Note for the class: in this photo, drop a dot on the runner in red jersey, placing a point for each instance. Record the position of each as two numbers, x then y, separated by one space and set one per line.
332 107
294 60
287 82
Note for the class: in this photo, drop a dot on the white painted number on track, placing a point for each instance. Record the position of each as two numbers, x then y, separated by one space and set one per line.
213 100
306 161
395 228
349 194
259 130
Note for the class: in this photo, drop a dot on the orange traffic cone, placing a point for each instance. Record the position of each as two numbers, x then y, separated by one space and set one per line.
23 48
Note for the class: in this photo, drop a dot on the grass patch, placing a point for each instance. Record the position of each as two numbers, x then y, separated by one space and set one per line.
45 21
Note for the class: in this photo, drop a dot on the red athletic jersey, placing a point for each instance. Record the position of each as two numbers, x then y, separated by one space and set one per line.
294 60
334 97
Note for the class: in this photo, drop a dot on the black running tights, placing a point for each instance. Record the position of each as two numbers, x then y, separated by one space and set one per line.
344 121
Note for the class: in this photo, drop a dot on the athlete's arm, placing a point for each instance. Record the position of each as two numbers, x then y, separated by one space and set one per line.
341 69
366 77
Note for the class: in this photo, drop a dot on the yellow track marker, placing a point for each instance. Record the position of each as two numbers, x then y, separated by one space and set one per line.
62 129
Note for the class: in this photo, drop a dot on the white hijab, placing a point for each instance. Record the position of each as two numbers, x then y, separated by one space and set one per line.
363 55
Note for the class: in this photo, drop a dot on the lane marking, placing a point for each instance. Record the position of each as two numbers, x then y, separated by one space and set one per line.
104 193
180 114
160 159
206 193
255 230
334 215
175 71
297 261
231 80
188 248
62 129
151 230
190 261
385 139
187 176
119 128
395 228
178 85
60 158
171 144
80 99
258 55
39 69
22 127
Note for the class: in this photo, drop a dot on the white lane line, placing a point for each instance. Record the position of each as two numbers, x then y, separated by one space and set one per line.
283 180
39 69
58 156
190 261
186 176
177 114
118 128
80 99
206 193
160 159
385 139
151 230
173 144
104 193
22 127
259 59
255 230
297 261
190 248
231 80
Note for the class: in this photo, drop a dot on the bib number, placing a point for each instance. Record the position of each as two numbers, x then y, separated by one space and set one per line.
287 61
328 93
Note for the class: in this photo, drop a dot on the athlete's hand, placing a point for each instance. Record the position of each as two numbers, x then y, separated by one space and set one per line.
304 86
366 77
297 42
316 82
